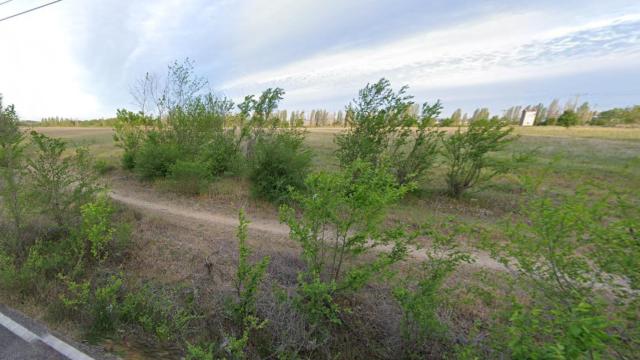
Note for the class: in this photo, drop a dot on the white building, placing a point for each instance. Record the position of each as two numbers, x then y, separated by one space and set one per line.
528 118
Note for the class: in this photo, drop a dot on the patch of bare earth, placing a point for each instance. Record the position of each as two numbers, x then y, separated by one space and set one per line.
209 227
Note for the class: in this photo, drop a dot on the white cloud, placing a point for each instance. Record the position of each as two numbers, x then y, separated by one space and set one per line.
500 48
37 70
78 58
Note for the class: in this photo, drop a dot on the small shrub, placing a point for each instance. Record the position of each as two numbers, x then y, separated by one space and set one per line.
76 297
558 333
104 307
129 135
568 118
189 177
156 313
13 179
446 122
156 156
103 167
280 162
247 282
248 276
420 294
222 155
61 185
45 260
97 228
569 248
199 352
341 222
8 272
466 154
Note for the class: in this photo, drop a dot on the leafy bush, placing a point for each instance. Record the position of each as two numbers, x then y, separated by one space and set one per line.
76 297
103 167
156 156
247 282
446 122
222 155
61 185
280 162
129 134
256 116
568 118
104 306
198 121
420 295
189 177
568 249
199 352
97 228
13 182
8 273
384 129
551 121
340 225
630 115
248 276
466 154
579 331
157 313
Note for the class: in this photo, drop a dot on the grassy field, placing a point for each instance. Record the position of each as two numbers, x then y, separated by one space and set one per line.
608 157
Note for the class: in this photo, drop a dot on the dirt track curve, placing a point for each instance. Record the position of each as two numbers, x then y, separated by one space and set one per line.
164 209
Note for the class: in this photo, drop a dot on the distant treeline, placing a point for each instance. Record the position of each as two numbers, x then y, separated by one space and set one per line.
67 122
568 114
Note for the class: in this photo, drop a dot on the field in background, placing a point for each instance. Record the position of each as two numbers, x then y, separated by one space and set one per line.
609 157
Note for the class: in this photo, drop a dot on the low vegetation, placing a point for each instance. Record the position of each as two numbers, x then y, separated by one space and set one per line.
193 139
556 278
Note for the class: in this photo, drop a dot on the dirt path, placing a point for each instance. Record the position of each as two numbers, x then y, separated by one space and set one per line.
165 209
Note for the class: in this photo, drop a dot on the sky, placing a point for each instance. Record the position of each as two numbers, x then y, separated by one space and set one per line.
80 58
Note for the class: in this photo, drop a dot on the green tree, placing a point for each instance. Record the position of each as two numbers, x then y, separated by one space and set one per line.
256 117
467 154
383 131
568 118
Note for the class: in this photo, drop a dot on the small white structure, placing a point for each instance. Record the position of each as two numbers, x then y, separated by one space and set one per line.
528 118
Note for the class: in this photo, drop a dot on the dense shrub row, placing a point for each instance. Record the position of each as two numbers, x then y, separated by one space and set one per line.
195 140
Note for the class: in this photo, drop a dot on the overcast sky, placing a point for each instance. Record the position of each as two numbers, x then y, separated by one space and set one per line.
79 58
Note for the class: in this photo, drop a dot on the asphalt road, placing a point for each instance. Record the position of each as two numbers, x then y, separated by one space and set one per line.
12 347
24 338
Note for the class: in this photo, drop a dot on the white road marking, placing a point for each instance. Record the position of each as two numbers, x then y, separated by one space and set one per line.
64 348
55 343
17 329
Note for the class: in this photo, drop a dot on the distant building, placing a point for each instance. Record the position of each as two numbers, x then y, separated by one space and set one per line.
528 118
